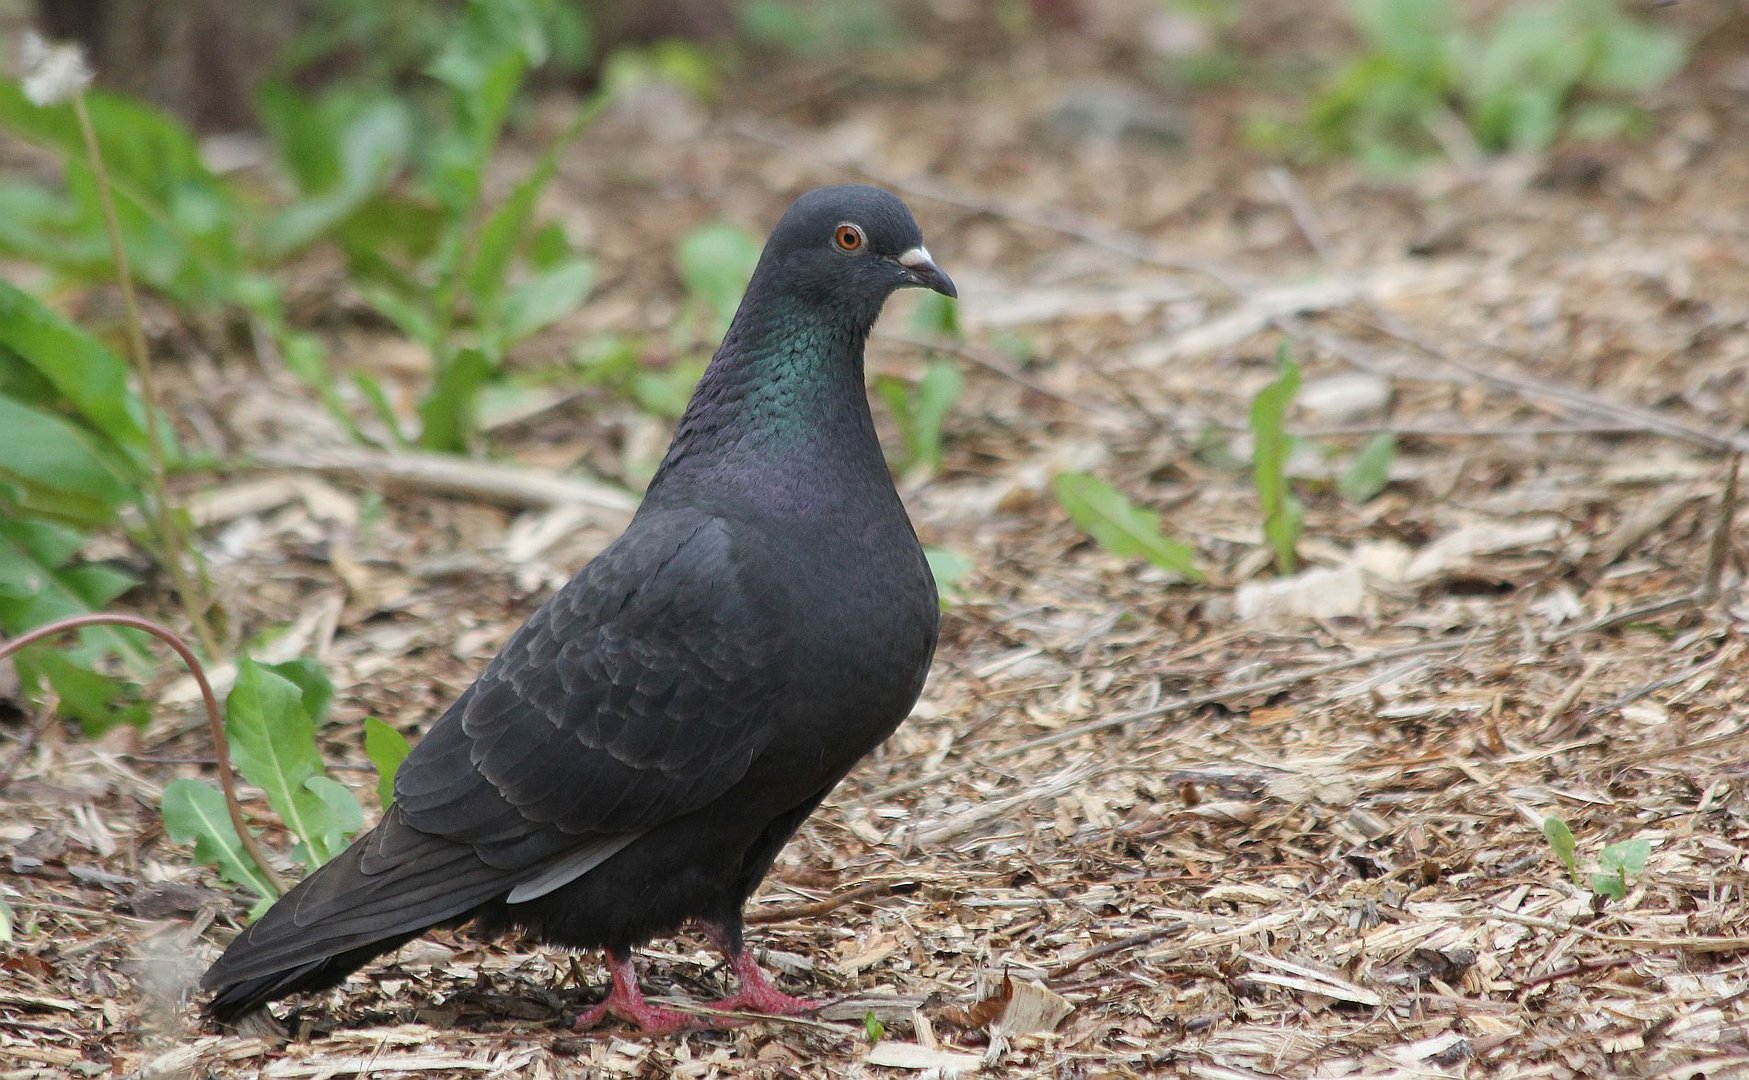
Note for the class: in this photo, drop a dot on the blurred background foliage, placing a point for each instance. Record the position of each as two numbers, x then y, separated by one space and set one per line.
370 128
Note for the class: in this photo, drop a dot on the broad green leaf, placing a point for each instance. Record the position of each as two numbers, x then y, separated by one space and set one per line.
543 300
1560 840
44 451
37 587
91 378
406 311
1281 511
1121 528
371 149
1370 470
311 679
97 701
1613 885
194 813
176 219
386 748
273 744
715 263
341 818
1628 856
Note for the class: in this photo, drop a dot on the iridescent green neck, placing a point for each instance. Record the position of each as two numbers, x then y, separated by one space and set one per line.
782 408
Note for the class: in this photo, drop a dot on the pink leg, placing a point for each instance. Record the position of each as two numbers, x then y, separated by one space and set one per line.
626 1001
756 994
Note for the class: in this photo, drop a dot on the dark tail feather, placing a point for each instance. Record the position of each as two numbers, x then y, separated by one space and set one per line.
236 999
390 886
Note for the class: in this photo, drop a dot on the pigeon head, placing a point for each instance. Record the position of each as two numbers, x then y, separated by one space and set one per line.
850 246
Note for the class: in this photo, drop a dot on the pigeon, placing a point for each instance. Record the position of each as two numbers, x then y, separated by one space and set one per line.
645 744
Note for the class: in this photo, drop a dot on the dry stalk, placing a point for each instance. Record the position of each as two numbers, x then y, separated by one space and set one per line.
170 536
221 752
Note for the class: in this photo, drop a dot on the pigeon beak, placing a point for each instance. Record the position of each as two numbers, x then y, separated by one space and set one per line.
920 265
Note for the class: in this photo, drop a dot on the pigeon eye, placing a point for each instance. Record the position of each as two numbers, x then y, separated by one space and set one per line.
848 238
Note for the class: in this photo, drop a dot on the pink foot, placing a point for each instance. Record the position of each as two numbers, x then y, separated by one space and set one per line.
757 994
626 1001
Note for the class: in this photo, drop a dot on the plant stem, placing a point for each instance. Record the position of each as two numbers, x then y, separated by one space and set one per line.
170 536
221 750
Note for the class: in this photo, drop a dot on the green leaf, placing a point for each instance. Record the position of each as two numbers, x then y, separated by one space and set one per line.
1121 528
88 376
948 568
543 300
273 744
386 748
507 225
97 701
715 263
314 685
49 454
37 586
1282 513
936 314
342 819
446 414
373 146
1370 470
194 813
873 1026
921 411
1614 886
1560 840
1628 856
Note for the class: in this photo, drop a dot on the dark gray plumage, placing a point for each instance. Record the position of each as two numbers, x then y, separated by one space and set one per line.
645 744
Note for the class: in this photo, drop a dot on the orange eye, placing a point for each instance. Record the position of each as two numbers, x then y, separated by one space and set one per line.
848 238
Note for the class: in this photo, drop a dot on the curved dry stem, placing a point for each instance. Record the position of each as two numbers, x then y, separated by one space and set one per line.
221 751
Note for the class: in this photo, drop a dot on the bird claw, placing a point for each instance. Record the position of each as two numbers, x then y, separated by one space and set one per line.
765 999
626 1001
650 1019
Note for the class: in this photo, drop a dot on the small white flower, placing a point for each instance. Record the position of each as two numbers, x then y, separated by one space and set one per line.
53 74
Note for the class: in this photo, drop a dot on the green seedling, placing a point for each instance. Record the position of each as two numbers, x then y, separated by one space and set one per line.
1616 863
271 717
921 410
1122 528
1283 516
